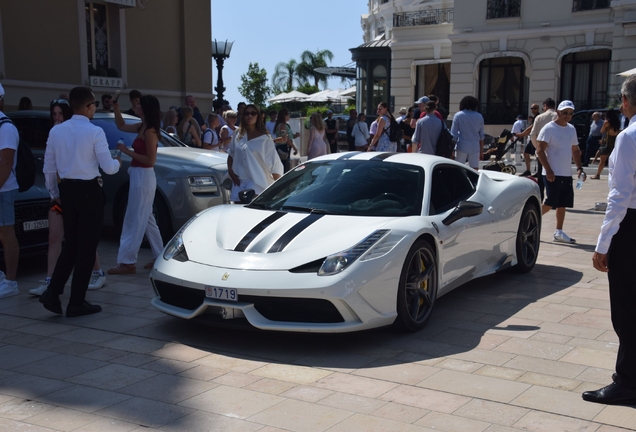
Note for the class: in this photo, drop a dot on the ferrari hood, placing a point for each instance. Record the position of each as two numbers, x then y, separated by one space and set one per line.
233 236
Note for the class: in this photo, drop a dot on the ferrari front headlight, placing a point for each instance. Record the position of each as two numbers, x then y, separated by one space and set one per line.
336 263
175 247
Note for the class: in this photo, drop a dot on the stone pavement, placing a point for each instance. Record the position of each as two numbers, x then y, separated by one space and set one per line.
504 353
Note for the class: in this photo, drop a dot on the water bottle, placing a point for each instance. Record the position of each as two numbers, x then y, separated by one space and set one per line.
118 152
579 182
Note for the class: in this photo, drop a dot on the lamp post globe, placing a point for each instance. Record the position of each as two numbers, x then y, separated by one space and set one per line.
220 51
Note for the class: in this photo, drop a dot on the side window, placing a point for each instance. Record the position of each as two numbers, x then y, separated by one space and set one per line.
449 186
473 177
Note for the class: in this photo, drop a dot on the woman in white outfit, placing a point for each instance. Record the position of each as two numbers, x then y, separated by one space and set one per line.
143 183
253 162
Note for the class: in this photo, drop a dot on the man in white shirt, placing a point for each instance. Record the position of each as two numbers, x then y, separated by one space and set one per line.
517 127
549 114
615 254
75 151
557 146
9 139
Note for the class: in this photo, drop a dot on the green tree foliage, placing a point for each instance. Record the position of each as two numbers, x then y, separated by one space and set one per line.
307 88
254 86
309 61
284 76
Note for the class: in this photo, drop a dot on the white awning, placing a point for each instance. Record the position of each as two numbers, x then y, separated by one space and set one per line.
627 73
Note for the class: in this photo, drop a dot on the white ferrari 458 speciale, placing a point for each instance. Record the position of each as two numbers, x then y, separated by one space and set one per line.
349 241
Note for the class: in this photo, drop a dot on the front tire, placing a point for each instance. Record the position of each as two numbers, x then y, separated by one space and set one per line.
528 238
418 287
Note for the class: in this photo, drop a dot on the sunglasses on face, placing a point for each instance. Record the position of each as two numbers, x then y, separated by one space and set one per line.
59 102
567 113
249 113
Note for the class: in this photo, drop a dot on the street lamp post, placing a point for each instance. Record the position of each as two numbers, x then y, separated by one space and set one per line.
220 51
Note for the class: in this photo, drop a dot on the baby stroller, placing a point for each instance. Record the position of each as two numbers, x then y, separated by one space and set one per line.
499 148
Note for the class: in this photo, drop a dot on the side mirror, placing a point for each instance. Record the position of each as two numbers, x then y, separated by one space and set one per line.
464 209
246 196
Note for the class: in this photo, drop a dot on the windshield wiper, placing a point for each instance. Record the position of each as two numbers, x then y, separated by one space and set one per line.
260 206
307 209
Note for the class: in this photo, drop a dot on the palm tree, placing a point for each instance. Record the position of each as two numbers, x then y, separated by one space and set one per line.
284 75
309 61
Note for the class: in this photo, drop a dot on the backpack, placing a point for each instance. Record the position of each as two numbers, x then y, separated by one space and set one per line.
395 133
445 142
25 163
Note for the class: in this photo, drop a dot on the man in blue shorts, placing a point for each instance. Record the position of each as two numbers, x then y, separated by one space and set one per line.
9 139
558 145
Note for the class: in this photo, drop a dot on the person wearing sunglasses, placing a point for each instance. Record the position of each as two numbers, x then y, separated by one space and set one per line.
60 112
252 162
557 146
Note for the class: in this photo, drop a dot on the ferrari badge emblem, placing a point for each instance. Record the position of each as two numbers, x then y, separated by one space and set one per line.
225 276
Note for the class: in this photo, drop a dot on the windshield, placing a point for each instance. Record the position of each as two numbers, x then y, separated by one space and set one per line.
113 134
348 187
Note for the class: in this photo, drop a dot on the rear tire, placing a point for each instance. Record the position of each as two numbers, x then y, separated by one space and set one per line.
418 287
528 238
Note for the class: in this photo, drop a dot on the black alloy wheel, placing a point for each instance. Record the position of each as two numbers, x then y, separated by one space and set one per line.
418 287
528 238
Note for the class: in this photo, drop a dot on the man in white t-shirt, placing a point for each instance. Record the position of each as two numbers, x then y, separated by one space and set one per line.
9 139
557 146
517 127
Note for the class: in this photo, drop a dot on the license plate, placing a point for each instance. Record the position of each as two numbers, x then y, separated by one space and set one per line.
35 225
221 293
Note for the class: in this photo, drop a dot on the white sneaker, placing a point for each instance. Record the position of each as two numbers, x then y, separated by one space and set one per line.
44 284
97 281
8 289
563 238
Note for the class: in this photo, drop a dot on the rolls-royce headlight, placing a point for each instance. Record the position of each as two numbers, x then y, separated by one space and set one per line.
203 184
336 263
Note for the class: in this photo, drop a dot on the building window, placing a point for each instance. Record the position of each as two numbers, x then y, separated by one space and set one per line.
581 5
102 37
434 79
503 9
379 78
585 78
503 89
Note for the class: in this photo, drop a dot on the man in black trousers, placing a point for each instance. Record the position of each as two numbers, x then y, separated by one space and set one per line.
75 150
615 254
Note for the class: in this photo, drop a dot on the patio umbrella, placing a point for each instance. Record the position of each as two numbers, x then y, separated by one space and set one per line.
278 98
320 96
627 73
294 96
351 92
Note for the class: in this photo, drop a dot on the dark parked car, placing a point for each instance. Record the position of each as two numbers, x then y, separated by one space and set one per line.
582 121
188 180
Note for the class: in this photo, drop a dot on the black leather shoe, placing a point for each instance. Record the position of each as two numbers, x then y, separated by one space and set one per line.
84 309
51 302
613 394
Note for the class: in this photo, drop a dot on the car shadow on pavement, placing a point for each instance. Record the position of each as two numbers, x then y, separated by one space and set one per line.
475 315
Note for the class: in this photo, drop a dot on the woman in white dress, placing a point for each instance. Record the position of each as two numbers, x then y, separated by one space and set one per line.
253 162
317 145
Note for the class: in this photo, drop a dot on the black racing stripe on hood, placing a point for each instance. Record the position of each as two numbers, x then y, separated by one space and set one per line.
259 228
383 156
348 155
284 240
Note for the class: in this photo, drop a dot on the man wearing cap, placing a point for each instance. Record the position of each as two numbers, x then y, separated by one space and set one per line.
557 146
331 131
420 111
615 255
427 130
9 139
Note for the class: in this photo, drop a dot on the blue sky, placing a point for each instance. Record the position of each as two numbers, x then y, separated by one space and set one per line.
269 32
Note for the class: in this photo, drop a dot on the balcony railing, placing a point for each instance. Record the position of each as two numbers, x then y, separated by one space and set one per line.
582 5
503 9
435 16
